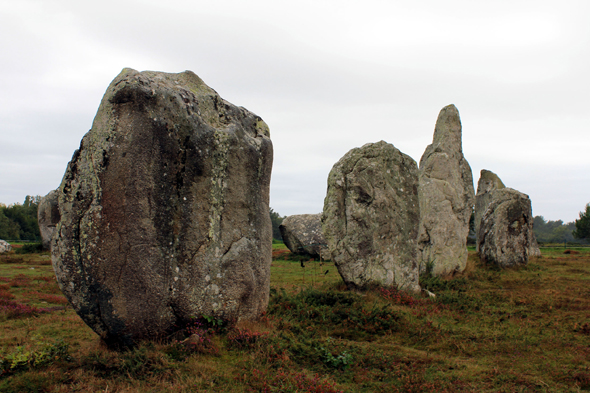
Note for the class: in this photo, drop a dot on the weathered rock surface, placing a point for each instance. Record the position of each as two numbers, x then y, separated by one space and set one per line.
370 218
164 210
488 182
534 250
505 235
303 235
48 217
5 246
446 198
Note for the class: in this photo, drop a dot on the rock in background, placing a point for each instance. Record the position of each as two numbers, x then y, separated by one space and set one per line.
164 210
370 218
505 235
302 234
446 198
488 182
5 246
48 217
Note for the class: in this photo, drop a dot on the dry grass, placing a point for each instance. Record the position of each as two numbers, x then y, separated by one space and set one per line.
516 330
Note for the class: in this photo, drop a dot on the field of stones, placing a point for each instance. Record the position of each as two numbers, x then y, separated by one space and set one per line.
523 329
164 275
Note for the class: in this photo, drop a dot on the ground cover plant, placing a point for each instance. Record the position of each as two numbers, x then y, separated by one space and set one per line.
486 330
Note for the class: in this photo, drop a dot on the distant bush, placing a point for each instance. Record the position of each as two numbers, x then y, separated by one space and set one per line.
29 248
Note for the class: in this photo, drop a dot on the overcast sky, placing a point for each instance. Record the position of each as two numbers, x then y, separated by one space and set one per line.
326 76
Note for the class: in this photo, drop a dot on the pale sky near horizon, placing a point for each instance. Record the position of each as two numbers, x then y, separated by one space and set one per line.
326 76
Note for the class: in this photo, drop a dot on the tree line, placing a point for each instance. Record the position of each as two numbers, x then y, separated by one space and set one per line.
560 232
19 222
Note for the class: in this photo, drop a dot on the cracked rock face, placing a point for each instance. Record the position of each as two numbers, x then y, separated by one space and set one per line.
487 184
164 210
48 217
505 237
371 216
302 234
446 198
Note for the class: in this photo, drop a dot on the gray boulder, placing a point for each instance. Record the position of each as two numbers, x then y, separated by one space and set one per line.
5 246
164 210
371 216
302 234
48 217
505 237
488 182
446 198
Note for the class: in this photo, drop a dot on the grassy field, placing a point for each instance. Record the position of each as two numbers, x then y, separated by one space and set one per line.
517 330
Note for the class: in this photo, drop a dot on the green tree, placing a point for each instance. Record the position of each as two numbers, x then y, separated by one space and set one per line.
8 228
19 222
276 220
582 230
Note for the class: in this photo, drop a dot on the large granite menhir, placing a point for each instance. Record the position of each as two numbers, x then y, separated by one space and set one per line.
370 218
164 210
302 234
446 198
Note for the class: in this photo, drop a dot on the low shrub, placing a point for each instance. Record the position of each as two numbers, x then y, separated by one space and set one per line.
13 309
22 359
343 313
395 296
341 361
244 338
30 248
20 281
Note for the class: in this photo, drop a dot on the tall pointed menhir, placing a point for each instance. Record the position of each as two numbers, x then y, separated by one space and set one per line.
446 197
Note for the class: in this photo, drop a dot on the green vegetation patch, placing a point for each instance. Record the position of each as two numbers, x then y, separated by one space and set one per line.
524 329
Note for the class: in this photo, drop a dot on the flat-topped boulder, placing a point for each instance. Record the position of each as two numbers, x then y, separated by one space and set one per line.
164 210
487 184
48 216
505 237
446 198
302 234
371 216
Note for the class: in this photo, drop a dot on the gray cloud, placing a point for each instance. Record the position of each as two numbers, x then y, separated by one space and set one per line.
326 76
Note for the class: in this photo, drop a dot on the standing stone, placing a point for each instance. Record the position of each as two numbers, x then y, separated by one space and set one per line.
371 216
302 234
446 198
5 246
488 182
48 217
164 210
505 234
